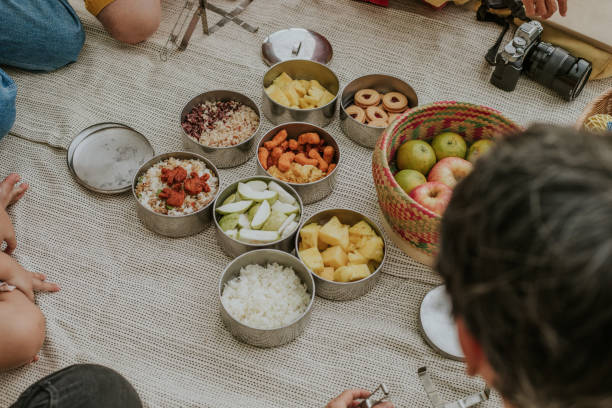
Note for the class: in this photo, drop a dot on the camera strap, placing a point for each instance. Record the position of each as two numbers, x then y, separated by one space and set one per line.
485 13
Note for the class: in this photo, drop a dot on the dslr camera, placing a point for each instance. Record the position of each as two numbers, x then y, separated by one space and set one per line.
545 63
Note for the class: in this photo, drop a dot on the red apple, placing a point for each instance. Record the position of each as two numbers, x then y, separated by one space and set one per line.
450 171
432 195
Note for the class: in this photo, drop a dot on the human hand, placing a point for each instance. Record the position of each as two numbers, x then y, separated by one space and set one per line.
352 398
14 274
544 8
7 233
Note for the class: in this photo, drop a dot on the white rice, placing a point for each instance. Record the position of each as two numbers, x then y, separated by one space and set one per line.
265 297
150 184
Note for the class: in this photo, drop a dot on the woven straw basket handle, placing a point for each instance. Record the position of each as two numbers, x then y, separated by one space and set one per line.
601 104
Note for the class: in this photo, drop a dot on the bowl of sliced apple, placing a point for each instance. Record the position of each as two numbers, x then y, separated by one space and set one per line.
255 213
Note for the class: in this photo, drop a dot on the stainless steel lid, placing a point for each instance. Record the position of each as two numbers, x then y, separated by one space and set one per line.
104 157
295 43
438 326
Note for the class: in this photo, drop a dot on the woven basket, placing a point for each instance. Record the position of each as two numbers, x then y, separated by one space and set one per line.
601 104
414 228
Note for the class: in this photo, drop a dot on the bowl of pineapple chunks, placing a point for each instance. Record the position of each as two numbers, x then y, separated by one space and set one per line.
300 91
345 252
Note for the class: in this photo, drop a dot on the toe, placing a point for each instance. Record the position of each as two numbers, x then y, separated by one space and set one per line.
17 193
7 186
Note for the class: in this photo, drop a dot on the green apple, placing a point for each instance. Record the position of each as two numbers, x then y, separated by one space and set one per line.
409 179
449 144
416 155
479 149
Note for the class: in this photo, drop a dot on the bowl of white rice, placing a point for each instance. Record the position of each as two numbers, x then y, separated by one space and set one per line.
266 297
222 126
175 192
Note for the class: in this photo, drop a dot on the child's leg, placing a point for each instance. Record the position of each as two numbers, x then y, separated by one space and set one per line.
22 325
81 385
129 21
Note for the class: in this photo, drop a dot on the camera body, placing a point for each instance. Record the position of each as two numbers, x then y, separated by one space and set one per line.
510 62
545 63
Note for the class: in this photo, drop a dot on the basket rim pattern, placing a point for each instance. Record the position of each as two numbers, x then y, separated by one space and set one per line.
593 107
428 110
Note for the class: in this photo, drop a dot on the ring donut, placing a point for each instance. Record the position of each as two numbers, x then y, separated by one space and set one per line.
356 113
375 113
367 97
395 102
377 123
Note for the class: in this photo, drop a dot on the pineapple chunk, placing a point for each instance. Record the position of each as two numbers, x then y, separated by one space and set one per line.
351 273
304 104
317 85
311 100
277 95
326 98
301 247
345 242
299 88
315 95
335 257
332 233
305 84
312 259
373 266
355 258
310 235
322 245
291 94
327 273
359 230
282 80
372 249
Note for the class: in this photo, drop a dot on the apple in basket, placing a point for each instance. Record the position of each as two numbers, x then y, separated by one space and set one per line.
432 195
450 171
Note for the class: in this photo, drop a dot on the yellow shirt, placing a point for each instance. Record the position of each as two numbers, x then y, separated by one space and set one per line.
96 6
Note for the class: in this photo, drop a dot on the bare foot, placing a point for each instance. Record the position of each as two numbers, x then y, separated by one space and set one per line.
10 192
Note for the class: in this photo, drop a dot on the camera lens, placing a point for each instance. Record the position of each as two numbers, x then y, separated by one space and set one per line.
558 69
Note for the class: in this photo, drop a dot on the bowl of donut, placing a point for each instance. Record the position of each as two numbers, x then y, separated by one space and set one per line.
371 103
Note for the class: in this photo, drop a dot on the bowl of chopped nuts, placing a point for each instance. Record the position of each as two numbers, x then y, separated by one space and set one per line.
222 126
302 155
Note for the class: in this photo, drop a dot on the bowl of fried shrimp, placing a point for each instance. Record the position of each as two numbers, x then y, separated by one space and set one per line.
302 155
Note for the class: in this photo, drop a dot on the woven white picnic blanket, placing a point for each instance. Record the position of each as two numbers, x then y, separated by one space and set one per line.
146 305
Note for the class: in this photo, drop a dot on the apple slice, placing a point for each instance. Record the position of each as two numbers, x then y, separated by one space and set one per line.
260 217
248 193
233 233
283 195
257 185
256 236
237 207
289 229
243 221
286 224
285 208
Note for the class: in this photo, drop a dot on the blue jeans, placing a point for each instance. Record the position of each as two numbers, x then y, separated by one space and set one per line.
36 35
80 386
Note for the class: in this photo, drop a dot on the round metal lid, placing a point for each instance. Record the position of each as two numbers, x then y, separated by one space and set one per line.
295 43
438 326
104 157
